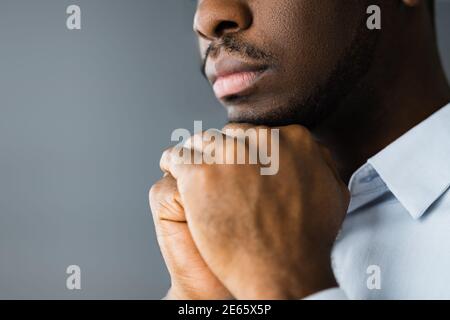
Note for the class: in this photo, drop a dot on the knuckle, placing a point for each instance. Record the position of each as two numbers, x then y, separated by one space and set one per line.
163 198
262 127
155 191
326 152
299 131
166 152
190 142
165 156
234 126
162 188
298 135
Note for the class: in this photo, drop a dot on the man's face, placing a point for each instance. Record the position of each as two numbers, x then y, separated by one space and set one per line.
285 61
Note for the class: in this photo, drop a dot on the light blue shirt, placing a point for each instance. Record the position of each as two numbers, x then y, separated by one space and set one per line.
395 240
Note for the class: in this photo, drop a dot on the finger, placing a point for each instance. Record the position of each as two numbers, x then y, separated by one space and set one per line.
328 157
165 200
174 238
177 161
242 131
251 136
296 133
235 126
201 141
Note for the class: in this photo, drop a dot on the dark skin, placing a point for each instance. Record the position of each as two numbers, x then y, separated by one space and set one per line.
407 83
395 95
339 93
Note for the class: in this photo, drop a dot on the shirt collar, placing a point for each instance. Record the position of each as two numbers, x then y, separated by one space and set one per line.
415 167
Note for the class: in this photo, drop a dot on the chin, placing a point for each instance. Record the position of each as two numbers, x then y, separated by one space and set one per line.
258 114
248 112
275 110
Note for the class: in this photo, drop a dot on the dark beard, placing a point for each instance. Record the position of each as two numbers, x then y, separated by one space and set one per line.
327 97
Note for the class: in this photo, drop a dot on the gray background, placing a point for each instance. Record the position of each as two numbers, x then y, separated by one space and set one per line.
84 118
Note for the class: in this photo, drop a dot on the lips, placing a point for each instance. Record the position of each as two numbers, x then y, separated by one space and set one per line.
231 76
235 83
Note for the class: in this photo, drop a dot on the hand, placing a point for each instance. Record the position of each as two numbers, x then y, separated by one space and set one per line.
190 276
265 237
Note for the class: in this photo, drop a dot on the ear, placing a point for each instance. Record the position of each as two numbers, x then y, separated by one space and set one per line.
412 3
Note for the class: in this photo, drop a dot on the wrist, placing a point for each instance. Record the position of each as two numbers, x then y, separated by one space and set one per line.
180 293
175 293
317 278
302 283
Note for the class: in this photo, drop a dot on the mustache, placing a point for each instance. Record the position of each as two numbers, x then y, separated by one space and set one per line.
233 45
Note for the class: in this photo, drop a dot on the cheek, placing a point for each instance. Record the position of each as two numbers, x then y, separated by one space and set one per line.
308 37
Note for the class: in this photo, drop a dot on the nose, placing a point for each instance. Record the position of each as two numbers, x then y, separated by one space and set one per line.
216 18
